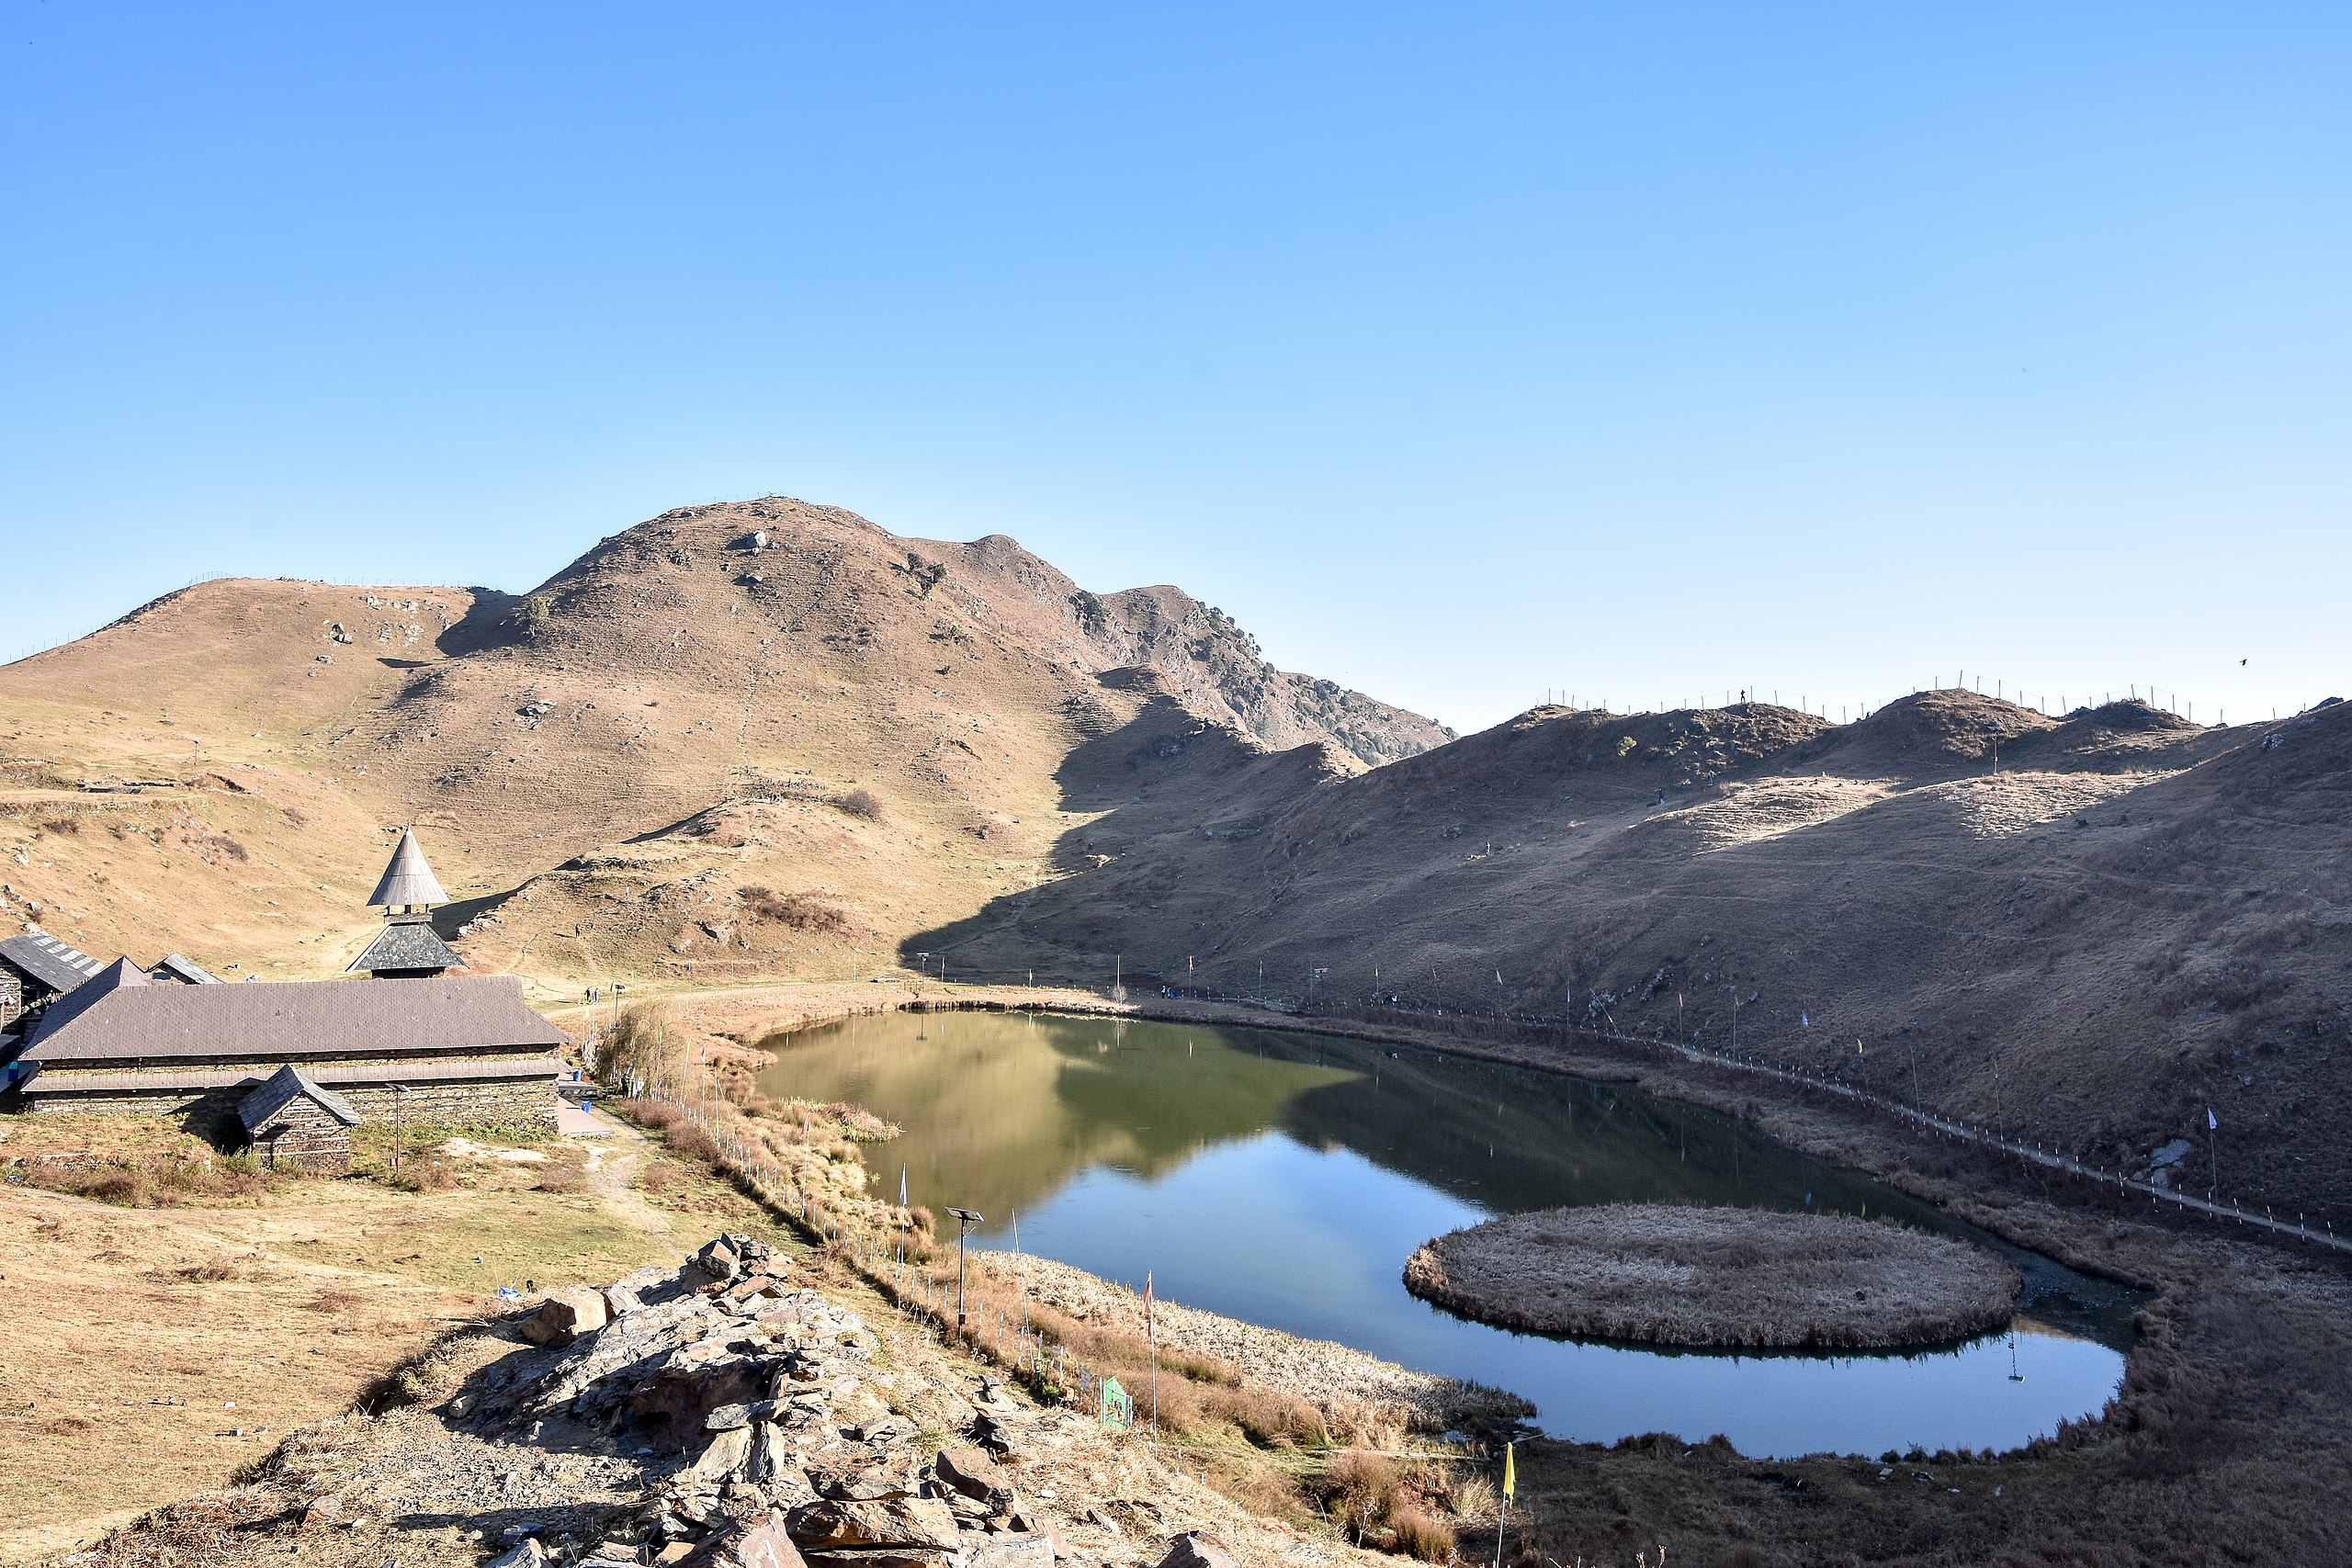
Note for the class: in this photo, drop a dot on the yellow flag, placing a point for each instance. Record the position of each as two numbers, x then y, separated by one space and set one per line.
1510 1473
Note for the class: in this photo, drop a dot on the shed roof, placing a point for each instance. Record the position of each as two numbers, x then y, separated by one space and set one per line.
133 1019
405 944
44 958
407 879
188 971
284 1087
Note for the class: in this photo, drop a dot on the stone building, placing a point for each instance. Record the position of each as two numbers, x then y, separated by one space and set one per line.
457 1049
293 1125
35 970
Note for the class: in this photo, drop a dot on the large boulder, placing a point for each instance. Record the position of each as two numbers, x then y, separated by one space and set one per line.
972 1472
917 1522
565 1315
747 1543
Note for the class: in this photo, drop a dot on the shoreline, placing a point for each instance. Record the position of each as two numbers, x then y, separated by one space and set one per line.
1351 1384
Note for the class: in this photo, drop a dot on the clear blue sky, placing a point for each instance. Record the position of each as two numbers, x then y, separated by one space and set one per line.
1461 351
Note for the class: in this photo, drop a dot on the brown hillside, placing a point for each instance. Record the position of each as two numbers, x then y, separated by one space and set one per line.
2133 918
751 740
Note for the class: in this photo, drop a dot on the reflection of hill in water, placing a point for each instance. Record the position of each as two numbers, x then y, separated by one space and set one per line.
1507 1138
1003 1111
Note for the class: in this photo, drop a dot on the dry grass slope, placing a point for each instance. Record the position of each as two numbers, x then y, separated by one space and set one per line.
1715 1277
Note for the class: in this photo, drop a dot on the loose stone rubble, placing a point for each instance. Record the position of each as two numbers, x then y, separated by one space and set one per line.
754 1413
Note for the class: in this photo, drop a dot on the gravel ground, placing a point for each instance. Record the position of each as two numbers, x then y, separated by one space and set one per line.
1328 1375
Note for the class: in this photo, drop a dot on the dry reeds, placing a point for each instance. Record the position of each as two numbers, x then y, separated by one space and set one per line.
1715 1277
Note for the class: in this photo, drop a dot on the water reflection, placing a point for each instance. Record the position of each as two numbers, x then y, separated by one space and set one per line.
1284 1177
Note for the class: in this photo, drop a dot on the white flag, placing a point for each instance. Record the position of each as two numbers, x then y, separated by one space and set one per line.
2211 1125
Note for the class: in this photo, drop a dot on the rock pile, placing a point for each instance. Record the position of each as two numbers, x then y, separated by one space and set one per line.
761 1395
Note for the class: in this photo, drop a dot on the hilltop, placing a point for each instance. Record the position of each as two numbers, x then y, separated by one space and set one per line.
732 742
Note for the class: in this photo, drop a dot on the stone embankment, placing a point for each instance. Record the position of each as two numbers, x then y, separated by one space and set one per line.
1730 1278
1340 1381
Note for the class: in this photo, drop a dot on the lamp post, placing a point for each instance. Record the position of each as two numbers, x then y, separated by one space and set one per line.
964 1220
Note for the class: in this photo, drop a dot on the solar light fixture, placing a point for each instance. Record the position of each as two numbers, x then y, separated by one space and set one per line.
964 1220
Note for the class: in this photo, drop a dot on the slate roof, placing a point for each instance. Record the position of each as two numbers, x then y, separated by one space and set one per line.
188 971
284 1086
407 880
405 944
132 1020
44 958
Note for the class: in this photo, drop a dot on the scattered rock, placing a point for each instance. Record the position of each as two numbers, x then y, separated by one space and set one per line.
1192 1550
565 1315
529 1554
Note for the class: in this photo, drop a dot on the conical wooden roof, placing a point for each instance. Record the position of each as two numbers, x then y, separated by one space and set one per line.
408 880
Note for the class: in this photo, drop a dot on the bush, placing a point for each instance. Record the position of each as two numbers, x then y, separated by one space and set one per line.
1421 1536
802 912
860 803
533 614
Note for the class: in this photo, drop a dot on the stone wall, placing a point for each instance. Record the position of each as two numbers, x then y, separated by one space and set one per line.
521 1105
302 1136
528 1104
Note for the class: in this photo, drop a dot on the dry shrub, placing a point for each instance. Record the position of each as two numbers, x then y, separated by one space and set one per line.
561 1178
214 1270
1419 1535
61 825
802 911
1360 1490
690 1141
860 803
119 1185
1473 1496
1271 1418
335 1300
429 1173
660 1175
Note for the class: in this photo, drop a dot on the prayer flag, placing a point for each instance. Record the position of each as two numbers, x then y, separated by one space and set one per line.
1510 1473
902 1186
1805 1018
2211 1124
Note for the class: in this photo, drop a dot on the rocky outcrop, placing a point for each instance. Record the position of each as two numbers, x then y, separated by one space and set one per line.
760 1396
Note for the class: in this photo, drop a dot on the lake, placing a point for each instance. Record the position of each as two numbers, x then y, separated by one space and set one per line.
1284 1177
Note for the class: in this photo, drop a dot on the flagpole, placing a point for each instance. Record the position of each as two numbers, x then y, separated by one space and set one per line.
1510 1485
1151 1336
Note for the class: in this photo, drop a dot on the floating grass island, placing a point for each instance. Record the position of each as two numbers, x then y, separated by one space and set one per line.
1716 1278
